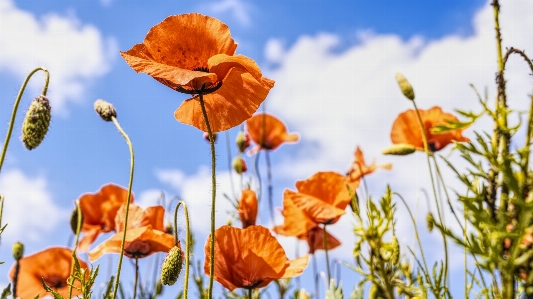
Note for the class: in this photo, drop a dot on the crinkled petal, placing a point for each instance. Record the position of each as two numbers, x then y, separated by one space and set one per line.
316 209
296 267
221 64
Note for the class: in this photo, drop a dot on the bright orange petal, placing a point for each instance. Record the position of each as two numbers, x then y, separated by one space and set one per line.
296 222
237 99
221 64
316 209
296 267
268 131
315 240
329 187
88 238
154 216
406 130
248 208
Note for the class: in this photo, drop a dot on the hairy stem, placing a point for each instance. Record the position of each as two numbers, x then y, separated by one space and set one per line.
187 243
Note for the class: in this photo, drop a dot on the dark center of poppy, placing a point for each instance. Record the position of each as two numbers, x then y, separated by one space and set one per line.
201 69
252 285
138 249
205 89
55 282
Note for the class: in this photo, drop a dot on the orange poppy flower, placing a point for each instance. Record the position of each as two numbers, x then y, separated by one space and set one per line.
406 129
144 236
296 223
275 132
99 210
359 167
315 240
250 258
53 265
193 53
248 208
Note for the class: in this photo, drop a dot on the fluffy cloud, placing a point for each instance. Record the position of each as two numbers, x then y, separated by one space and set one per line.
73 52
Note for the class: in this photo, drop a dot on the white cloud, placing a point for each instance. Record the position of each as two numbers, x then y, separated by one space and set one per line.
29 209
73 52
274 50
238 8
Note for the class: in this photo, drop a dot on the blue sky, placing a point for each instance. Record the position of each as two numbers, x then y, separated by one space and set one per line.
333 62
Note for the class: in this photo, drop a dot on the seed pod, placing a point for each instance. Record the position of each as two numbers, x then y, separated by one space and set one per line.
399 150
36 122
171 268
239 165
105 109
406 88
18 251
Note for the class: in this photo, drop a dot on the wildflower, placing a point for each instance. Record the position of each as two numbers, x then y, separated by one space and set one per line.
52 265
359 167
248 208
315 240
268 132
250 258
99 211
144 236
296 222
193 53
406 129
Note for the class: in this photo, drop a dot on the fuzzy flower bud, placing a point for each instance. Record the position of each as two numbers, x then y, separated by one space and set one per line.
406 88
105 109
206 137
18 251
239 165
243 141
171 268
399 150
74 220
430 221
36 122
395 246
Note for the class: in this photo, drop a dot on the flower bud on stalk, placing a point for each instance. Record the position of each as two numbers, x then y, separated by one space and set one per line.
18 251
243 141
36 122
239 165
406 88
74 220
105 109
171 268
399 150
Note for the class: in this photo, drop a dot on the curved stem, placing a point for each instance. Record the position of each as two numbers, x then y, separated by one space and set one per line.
213 195
78 228
15 107
127 204
326 250
187 243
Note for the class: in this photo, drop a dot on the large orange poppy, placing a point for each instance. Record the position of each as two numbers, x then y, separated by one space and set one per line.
145 234
359 167
99 210
250 258
406 129
53 265
296 222
272 136
248 208
193 53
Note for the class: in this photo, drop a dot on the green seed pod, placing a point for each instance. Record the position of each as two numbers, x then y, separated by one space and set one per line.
171 268
36 122
239 165
18 251
395 257
406 88
74 220
105 109
399 150
430 221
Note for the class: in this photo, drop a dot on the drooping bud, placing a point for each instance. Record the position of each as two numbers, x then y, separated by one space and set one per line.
395 246
239 164
36 122
399 150
406 88
105 109
18 251
243 141
430 221
74 220
171 268
206 137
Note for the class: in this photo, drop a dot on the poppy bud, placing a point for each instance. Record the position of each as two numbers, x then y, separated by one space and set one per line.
36 122
430 221
18 251
171 268
239 165
105 109
395 257
406 88
206 137
399 150
243 141
74 220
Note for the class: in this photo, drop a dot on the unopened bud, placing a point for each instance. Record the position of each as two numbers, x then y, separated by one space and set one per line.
206 137
239 165
399 150
105 109
171 268
430 221
406 88
74 220
36 122
243 141
18 251
395 257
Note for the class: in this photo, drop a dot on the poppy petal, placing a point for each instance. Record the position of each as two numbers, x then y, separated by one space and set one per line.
296 267
296 222
268 132
329 187
318 210
221 64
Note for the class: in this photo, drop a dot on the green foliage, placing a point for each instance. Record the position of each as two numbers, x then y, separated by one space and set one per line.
334 291
6 292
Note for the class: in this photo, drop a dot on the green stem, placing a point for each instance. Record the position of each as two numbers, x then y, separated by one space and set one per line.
525 167
1 211
249 293
128 141
187 243
15 107
78 228
136 277
213 193
441 217
326 250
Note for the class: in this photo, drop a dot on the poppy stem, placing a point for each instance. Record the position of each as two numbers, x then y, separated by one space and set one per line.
270 187
315 275
228 150
213 193
136 277
326 250
78 228
250 293
187 243
15 107
132 168
15 279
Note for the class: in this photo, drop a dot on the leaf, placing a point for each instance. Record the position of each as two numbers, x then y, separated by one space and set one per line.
334 292
357 293
6 292
49 290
